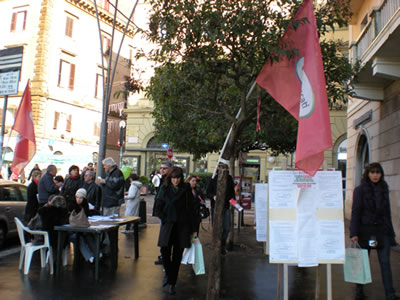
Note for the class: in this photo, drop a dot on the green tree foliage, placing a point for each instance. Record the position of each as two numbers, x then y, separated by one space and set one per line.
210 53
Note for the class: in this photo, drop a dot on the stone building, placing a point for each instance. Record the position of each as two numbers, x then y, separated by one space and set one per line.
62 59
373 125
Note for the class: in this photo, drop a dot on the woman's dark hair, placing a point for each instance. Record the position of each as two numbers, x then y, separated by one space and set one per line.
134 177
374 167
174 172
59 178
73 167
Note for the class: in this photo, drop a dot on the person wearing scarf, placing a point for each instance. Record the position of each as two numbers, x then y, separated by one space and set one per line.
178 224
371 220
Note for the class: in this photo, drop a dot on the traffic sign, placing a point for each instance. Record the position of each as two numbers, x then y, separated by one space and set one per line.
10 68
170 153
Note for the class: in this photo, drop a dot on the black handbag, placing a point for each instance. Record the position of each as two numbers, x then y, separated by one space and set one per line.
371 236
204 211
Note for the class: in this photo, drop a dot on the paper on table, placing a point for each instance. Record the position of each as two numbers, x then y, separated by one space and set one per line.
102 226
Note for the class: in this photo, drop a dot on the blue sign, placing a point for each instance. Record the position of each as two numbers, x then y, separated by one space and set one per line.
164 146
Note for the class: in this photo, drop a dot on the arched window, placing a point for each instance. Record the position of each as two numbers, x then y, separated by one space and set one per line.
363 157
152 143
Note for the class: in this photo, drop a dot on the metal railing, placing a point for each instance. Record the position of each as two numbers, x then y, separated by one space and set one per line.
379 18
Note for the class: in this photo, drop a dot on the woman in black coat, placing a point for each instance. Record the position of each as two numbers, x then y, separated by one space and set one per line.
178 223
371 223
32 204
71 185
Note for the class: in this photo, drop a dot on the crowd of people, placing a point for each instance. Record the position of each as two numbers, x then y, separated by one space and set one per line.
177 203
53 200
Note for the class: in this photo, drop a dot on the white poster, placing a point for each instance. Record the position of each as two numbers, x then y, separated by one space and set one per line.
306 218
261 211
283 241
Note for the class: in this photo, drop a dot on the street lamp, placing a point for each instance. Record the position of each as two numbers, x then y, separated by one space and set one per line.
122 127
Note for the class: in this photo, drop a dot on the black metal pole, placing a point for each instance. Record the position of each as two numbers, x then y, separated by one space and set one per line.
3 125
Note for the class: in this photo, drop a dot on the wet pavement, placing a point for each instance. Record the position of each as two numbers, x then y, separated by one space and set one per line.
246 274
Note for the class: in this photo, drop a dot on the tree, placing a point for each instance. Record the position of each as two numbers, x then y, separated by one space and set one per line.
210 53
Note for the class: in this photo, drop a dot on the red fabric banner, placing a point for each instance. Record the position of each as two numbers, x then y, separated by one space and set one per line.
299 86
25 147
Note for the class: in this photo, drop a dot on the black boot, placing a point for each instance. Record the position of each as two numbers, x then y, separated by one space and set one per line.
171 289
360 292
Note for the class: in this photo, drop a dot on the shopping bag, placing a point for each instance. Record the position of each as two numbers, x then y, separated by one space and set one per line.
198 266
188 256
356 268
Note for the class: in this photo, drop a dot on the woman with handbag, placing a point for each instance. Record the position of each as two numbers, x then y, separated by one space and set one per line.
178 223
371 223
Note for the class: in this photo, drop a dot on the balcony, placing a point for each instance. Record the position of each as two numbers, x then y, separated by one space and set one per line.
377 51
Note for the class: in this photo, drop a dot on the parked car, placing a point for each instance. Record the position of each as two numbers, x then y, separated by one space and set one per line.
13 199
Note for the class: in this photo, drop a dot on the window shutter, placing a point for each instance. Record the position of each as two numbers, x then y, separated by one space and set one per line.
97 85
24 12
69 123
72 76
59 73
69 26
56 118
13 21
106 5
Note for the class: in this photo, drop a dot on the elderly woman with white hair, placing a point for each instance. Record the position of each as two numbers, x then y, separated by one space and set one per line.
113 187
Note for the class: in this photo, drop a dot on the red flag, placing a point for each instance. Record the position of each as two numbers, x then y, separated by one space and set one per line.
25 147
299 86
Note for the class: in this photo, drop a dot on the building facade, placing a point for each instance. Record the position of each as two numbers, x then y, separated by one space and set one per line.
63 61
373 125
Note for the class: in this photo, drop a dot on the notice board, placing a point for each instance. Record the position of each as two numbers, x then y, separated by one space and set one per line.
306 224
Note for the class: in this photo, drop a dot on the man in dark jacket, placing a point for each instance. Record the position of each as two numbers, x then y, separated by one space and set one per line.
113 187
229 194
93 190
47 187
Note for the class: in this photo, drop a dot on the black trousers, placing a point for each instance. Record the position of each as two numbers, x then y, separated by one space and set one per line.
171 257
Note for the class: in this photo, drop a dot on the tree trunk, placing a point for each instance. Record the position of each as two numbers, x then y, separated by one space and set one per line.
214 275
231 238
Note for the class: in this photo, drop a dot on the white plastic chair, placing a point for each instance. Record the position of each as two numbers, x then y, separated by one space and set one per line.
27 249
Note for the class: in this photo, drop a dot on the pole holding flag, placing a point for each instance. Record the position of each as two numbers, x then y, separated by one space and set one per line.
299 86
25 147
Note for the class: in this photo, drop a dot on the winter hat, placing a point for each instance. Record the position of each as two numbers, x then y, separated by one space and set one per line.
81 193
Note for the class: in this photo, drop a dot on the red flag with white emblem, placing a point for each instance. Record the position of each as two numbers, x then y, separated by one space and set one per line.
25 147
299 86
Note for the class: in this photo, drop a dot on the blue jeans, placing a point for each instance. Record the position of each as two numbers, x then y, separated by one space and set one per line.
386 269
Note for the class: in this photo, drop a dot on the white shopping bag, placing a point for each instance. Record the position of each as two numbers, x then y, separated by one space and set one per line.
188 256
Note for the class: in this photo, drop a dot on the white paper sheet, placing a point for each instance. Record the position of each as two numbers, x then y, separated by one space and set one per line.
306 224
261 211
331 241
283 241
